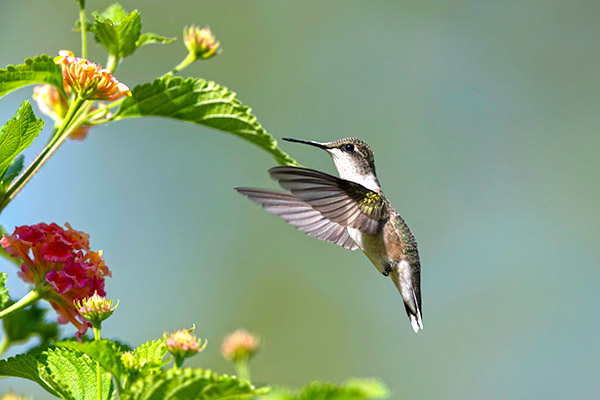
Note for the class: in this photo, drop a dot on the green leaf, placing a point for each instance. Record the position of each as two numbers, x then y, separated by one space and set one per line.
202 102
150 354
21 325
4 297
149 38
77 373
12 171
372 388
106 352
187 384
40 69
27 367
17 134
115 13
354 389
118 35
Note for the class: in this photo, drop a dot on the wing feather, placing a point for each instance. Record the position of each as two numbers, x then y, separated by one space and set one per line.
300 214
346 203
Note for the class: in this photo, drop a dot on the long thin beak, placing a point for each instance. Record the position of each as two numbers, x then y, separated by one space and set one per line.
309 142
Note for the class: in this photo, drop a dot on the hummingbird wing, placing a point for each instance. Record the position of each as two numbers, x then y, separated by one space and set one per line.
347 203
301 215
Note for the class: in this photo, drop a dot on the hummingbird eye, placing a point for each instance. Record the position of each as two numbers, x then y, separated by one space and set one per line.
348 147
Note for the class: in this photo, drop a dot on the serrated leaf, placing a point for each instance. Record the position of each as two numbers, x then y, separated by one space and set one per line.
147 359
104 351
354 389
17 134
26 367
4 297
150 353
201 102
150 38
13 170
20 325
115 12
40 69
372 388
189 384
77 372
117 31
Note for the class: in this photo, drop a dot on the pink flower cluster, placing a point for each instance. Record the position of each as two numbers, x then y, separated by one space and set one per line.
182 343
59 262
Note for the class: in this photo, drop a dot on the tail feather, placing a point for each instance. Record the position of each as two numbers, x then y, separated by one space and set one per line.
416 320
407 281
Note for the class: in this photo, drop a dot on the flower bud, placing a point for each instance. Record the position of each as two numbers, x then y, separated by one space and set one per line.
201 42
128 360
182 344
95 308
239 345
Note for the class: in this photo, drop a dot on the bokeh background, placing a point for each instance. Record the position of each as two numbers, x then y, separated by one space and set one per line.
484 120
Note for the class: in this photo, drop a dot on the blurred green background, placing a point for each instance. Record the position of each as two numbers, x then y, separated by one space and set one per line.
484 120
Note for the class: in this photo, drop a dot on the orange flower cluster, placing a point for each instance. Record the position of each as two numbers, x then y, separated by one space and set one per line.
88 80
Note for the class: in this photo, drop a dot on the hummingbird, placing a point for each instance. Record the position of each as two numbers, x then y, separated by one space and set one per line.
350 211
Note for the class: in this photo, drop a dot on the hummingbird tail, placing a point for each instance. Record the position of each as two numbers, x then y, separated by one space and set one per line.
407 283
416 321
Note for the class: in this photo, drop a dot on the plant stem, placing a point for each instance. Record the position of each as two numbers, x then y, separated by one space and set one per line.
83 27
112 63
50 148
27 300
243 369
4 345
98 368
184 64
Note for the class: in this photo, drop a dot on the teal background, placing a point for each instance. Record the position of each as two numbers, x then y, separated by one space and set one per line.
484 120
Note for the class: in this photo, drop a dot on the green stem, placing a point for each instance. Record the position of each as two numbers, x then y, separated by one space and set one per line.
4 345
184 64
98 368
112 63
83 32
243 369
50 148
27 300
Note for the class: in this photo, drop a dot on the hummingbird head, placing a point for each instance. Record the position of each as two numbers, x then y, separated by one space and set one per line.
353 158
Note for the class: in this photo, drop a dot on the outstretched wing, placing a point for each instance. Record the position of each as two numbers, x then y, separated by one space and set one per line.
347 203
301 215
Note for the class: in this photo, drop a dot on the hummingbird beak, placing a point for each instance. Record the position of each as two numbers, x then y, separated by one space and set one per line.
309 142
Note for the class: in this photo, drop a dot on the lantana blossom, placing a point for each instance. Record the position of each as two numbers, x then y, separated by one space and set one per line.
239 345
201 42
89 80
59 263
53 103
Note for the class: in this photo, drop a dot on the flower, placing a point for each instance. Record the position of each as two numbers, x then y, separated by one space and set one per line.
239 345
182 344
50 101
128 360
59 263
95 308
53 103
88 80
201 42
